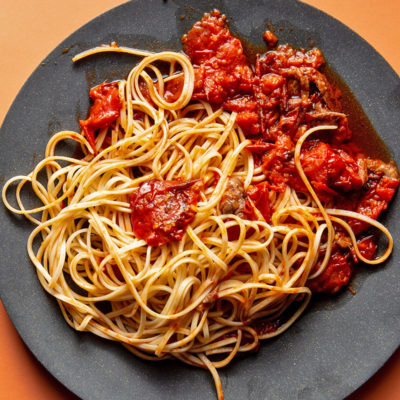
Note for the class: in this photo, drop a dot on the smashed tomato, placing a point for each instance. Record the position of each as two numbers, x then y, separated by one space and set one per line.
221 68
161 210
104 111
336 274
259 194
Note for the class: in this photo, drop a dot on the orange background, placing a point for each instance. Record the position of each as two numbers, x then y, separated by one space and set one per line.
29 30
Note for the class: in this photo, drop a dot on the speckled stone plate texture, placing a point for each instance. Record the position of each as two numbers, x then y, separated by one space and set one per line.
333 348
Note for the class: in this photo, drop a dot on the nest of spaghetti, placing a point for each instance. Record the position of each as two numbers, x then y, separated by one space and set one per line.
167 235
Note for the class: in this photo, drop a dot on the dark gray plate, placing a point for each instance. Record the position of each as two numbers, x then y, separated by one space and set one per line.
335 346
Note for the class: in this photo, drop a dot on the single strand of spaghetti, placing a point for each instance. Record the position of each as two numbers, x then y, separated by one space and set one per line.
353 238
118 293
282 200
220 348
207 363
72 238
318 237
173 76
248 170
104 195
191 134
112 49
159 79
131 126
304 178
245 286
56 178
310 258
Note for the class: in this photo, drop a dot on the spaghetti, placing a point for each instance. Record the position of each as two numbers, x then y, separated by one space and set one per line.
226 279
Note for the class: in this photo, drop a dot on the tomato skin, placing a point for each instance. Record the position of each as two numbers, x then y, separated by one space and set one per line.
259 194
331 169
270 38
376 195
161 210
104 111
220 64
173 89
367 247
336 274
222 74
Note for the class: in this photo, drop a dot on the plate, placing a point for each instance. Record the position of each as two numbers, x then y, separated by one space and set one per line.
335 346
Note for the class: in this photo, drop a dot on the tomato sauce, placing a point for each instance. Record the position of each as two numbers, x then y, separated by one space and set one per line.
277 100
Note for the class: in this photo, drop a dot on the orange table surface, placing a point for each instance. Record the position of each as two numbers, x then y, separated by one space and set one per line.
29 30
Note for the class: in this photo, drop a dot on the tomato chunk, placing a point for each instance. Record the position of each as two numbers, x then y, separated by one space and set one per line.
367 246
270 38
330 169
221 68
378 191
104 111
336 274
173 89
260 195
161 210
